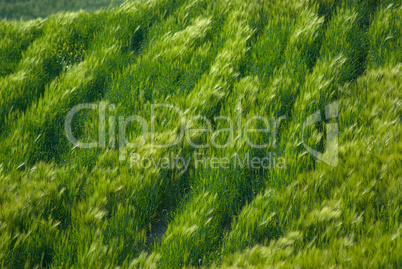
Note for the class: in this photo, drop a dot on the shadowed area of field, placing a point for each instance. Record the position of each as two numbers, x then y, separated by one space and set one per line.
32 9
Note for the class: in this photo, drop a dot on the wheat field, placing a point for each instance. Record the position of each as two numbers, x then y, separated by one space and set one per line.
89 98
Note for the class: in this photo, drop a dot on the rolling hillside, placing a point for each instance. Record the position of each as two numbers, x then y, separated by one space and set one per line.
191 133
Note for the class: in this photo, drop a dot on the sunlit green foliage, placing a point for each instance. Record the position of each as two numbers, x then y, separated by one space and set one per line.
66 207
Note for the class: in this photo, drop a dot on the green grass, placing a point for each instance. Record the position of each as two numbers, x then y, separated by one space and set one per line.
67 207
26 9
